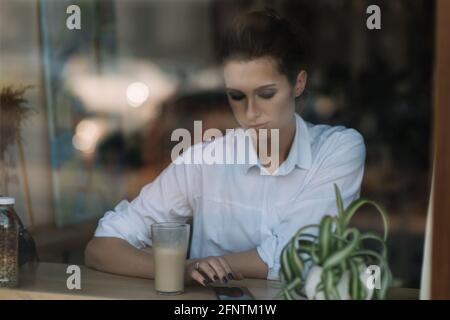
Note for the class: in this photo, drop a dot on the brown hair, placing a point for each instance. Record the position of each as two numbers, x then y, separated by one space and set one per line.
263 33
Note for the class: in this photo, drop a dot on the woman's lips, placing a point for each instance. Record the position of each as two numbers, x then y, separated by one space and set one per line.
257 126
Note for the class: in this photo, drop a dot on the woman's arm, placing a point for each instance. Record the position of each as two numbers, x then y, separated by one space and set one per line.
117 256
248 263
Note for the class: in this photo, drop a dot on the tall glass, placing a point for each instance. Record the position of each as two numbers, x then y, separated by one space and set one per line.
170 242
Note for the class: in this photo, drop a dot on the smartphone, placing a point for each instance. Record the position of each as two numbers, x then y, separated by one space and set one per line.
233 293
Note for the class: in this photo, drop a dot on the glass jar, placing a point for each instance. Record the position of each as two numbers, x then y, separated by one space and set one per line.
9 244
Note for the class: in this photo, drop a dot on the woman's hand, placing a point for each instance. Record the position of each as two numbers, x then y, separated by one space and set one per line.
211 269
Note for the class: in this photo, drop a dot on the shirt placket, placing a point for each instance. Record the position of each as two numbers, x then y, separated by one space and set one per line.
266 206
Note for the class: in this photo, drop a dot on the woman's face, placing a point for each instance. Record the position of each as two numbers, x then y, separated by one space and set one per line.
259 95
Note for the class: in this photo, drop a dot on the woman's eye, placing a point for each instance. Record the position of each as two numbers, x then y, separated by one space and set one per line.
267 95
236 97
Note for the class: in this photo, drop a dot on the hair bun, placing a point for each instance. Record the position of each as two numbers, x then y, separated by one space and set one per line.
272 13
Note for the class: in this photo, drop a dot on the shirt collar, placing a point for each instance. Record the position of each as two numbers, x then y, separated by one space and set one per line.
299 155
302 147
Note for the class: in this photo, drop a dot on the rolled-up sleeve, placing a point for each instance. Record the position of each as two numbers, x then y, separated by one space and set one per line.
343 164
167 198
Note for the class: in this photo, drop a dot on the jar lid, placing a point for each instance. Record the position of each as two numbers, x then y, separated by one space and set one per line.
7 201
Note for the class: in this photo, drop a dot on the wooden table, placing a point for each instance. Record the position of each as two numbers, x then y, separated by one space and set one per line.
48 281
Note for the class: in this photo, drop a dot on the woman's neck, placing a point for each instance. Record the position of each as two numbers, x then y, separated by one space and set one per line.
285 137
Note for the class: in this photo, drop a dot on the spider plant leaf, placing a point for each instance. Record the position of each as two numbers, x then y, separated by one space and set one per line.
339 202
342 254
362 292
349 232
354 280
296 263
279 294
314 254
336 293
300 231
305 236
386 276
329 284
320 286
288 274
356 204
337 275
295 295
343 266
338 222
305 246
374 254
339 239
325 237
289 290
374 236
294 286
287 295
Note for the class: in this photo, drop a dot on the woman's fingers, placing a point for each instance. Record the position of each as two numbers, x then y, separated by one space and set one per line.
226 267
231 274
220 271
205 267
214 269
197 276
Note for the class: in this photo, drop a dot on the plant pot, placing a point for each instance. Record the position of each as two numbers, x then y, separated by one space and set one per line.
314 278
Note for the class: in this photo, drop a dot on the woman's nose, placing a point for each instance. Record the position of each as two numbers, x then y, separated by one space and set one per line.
252 110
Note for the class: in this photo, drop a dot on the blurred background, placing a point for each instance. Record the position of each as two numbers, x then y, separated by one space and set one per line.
101 103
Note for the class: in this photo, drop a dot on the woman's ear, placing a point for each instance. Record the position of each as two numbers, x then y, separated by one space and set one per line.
300 83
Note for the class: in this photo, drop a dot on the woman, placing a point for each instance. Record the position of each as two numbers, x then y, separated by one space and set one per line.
243 214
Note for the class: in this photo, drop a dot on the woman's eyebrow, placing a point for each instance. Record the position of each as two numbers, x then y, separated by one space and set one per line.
266 86
232 89
259 88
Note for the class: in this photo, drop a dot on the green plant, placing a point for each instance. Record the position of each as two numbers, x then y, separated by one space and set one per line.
13 112
339 252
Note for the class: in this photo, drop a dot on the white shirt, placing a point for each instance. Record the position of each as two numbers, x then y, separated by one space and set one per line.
237 207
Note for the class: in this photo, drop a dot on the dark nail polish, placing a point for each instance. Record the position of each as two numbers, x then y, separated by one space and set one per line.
230 276
216 278
225 279
205 282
